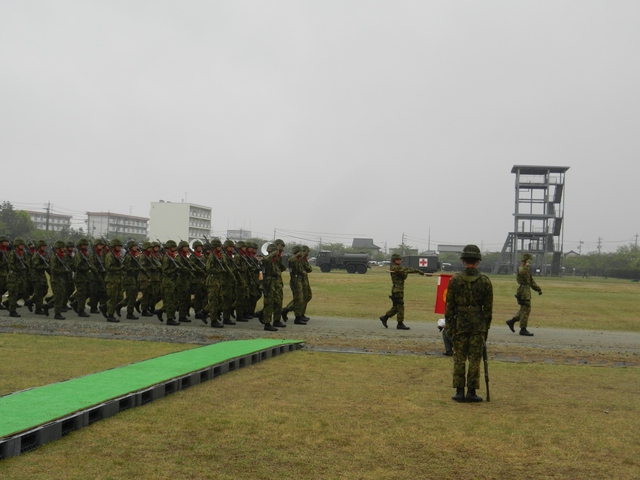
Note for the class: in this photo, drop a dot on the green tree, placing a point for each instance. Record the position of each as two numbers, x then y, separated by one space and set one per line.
14 223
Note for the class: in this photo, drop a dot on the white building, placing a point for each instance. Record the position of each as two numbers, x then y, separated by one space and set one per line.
52 222
116 225
179 221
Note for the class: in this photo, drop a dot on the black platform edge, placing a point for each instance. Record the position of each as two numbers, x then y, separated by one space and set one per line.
28 440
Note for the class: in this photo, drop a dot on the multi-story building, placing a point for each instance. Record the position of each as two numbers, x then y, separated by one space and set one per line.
116 225
52 222
179 221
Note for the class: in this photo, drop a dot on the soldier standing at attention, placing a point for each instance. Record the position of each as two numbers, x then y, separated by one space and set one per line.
398 276
468 318
525 284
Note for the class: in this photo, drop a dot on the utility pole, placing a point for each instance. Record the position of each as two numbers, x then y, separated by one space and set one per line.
599 244
403 244
580 247
48 215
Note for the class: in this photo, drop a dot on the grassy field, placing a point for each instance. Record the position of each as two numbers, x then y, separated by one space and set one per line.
567 302
311 415
322 416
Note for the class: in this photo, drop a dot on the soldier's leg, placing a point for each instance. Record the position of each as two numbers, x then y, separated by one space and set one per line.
460 347
474 355
523 314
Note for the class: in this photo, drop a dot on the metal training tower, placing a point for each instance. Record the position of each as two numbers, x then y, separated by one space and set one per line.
538 218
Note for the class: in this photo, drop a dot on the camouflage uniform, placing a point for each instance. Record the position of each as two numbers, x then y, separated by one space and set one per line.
132 271
4 265
83 276
170 273
306 287
296 272
59 273
525 284
198 287
272 287
230 283
113 264
17 279
183 281
255 275
216 273
243 282
149 284
468 315
70 286
399 274
39 265
97 288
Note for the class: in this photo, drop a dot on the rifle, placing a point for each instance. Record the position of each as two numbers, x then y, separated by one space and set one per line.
135 259
93 250
486 369
15 253
222 267
166 254
86 259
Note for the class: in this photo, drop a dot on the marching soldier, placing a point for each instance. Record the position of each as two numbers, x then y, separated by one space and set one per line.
39 267
70 254
149 283
17 279
243 280
132 270
170 273
98 291
230 283
306 287
398 276
4 268
216 274
113 264
271 273
183 282
198 286
255 290
526 283
84 272
296 270
59 274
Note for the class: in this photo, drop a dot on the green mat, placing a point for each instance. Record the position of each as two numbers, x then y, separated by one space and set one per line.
24 410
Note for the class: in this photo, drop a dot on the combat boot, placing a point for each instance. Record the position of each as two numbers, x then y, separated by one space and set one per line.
158 312
284 313
525 332
131 316
58 316
270 328
402 326
299 321
215 323
472 397
278 323
511 323
112 319
103 309
83 314
260 316
29 304
384 319
14 314
172 321
184 320
459 396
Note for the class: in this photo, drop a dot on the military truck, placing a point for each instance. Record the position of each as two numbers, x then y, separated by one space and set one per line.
426 263
351 262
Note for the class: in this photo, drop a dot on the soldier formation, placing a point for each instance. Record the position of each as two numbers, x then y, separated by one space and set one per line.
219 281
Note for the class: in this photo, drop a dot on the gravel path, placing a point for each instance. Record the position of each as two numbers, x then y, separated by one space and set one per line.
353 335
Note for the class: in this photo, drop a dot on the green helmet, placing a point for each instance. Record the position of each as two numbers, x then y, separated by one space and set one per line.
170 244
18 241
116 242
241 244
131 244
305 248
99 242
215 242
83 241
70 244
146 245
471 252
41 243
4 238
58 244
396 256
279 242
207 246
155 244
271 247
228 243
197 243
183 243
525 257
296 249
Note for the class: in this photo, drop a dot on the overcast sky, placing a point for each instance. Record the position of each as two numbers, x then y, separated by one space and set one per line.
325 119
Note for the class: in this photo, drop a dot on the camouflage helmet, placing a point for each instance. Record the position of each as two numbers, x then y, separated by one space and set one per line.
471 252
228 243
18 241
296 249
396 256
70 244
525 257
279 242
197 243
4 238
215 242
182 244
146 245
207 246
131 244
241 244
271 247
305 248
116 242
58 244
99 241
155 244
170 244
83 241
41 243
